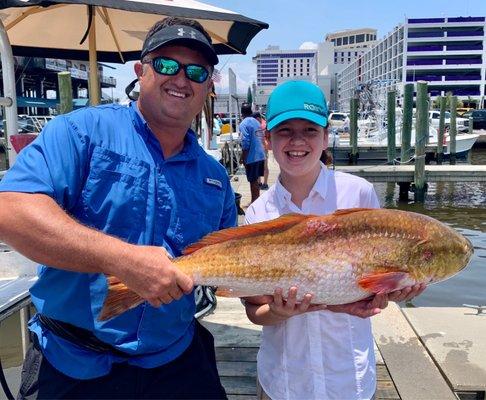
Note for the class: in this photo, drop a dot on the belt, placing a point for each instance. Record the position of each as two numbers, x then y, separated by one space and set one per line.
79 336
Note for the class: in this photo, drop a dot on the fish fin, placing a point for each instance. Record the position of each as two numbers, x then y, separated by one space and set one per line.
282 223
345 211
382 282
119 299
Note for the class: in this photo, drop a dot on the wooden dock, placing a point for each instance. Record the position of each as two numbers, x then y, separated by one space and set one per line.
405 173
422 353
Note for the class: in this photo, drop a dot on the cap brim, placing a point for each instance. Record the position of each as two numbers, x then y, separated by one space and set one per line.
206 50
299 114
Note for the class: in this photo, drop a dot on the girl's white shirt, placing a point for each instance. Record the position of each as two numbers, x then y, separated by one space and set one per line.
317 355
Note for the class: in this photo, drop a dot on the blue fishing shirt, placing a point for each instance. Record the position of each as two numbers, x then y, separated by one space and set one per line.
105 167
252 140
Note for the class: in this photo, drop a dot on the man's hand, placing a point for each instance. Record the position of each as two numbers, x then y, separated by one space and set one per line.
151 274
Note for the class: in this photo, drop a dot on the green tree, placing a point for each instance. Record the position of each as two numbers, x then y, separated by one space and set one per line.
436 102
249 96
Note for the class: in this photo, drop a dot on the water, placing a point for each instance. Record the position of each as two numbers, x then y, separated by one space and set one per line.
463 207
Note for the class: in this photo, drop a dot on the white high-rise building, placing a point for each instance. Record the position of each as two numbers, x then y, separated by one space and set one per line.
447 52
351 43
275 66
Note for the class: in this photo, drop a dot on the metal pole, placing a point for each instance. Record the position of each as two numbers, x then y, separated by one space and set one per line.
420 139
94 84
8 76
353 131
391 128
453 131
407 122
440 134
232 151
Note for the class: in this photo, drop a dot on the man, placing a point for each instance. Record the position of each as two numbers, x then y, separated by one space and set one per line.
253 153
103 191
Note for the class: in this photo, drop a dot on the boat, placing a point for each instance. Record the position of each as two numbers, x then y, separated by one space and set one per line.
375 144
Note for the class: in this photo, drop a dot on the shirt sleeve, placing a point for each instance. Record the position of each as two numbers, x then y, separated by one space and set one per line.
53 164
371 198
245 136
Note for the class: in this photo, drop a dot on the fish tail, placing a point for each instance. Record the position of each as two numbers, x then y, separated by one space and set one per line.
119 299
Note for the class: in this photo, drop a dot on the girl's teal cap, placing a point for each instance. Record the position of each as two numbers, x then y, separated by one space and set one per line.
296 99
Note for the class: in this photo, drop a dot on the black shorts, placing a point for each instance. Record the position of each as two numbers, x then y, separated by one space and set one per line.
254 170
193 375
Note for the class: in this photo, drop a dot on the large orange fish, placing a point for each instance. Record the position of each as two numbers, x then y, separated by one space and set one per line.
340 258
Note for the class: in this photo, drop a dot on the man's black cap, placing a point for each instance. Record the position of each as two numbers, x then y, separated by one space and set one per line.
183 35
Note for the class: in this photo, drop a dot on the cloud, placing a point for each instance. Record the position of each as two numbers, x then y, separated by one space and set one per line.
308 46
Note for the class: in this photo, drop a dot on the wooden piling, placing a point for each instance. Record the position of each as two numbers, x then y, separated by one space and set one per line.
65 92
453 131
441 132
406 152
470 126
391 128
353 131
421 134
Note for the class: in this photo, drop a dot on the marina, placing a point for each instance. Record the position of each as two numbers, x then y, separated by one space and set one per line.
408 83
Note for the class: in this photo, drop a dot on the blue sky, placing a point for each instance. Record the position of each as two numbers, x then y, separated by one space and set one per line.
293 23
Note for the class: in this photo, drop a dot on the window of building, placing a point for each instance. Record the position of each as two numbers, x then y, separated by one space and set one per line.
339 41
345 40
351 39
360 38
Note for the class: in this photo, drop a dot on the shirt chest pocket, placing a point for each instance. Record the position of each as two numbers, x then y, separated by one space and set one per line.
200 214
116 191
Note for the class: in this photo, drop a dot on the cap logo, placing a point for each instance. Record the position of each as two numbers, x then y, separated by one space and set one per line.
313 108
182 32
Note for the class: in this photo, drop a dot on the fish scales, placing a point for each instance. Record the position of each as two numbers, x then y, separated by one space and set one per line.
340 258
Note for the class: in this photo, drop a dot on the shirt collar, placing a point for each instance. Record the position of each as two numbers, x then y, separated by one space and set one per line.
320 187
191 146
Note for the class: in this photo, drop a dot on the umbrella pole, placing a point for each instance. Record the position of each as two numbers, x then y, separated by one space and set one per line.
10 97
94 84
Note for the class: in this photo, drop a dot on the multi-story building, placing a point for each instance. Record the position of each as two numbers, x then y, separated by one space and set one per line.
36 77
447 52
275 65
351 43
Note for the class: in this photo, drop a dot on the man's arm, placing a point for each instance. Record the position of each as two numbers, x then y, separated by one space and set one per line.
37 227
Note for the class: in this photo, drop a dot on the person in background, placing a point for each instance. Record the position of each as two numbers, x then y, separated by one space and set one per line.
311 351
118 191
263 126
253 152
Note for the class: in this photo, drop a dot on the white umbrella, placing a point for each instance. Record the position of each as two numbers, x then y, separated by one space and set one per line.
109 30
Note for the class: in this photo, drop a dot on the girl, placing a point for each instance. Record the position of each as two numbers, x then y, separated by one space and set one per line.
326 354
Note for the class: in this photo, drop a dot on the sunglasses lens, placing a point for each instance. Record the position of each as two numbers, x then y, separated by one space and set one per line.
197 73
165 66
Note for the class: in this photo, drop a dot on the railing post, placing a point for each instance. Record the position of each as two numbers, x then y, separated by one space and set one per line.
65 92
407 122
421 134
391 128
441 132
353 131
453 131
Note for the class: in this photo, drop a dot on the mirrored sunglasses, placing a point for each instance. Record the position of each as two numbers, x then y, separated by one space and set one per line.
168 66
